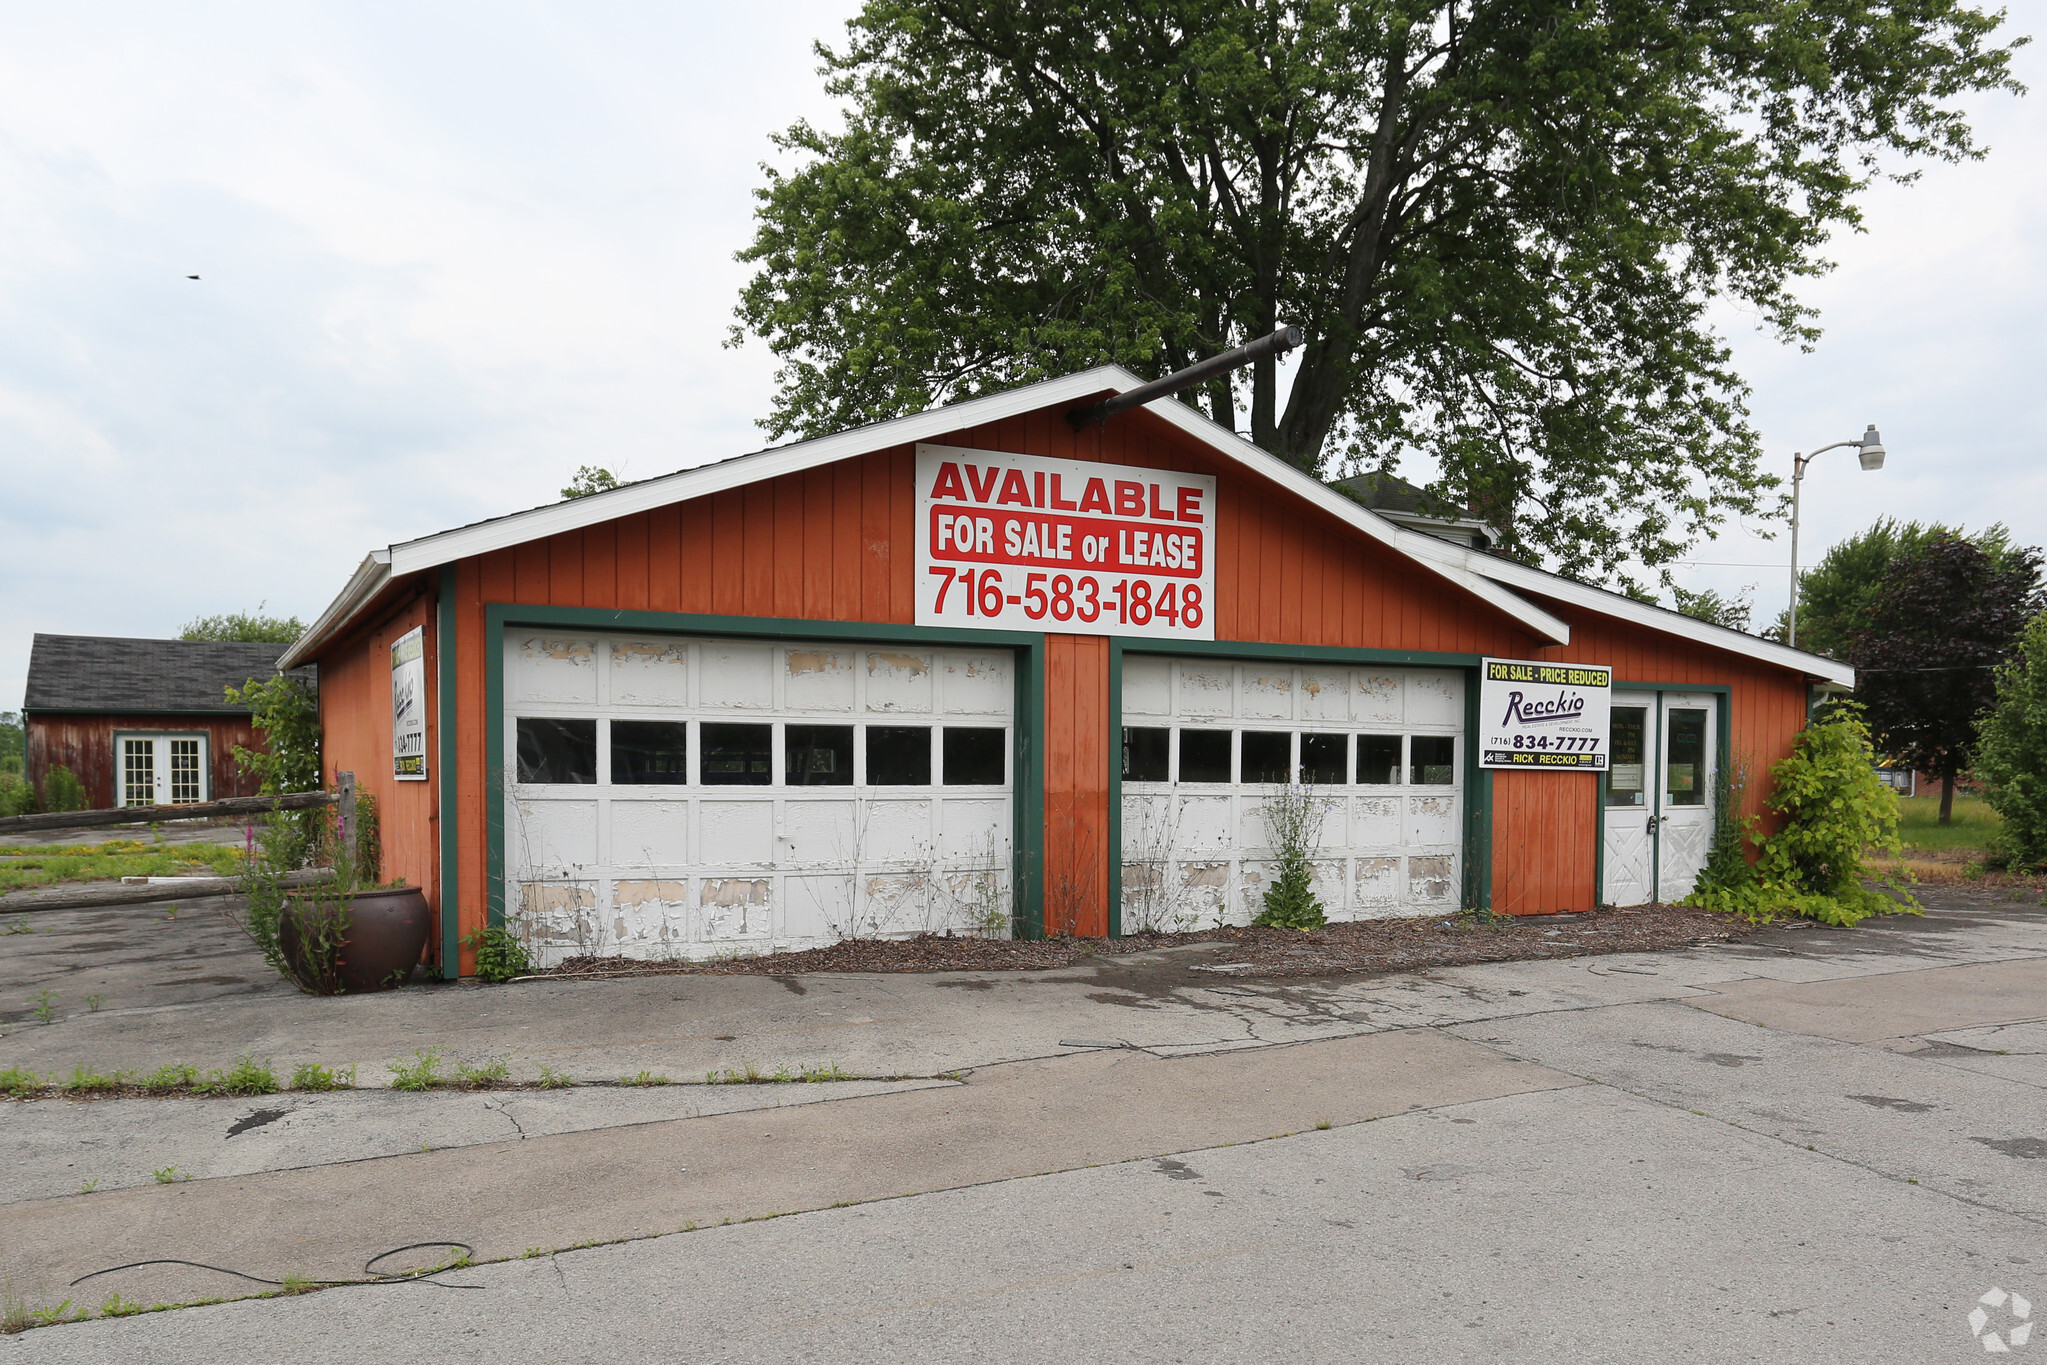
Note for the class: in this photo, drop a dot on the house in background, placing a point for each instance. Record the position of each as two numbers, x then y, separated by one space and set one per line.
142 722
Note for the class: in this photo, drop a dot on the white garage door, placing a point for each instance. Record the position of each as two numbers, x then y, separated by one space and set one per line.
687 798
1204 744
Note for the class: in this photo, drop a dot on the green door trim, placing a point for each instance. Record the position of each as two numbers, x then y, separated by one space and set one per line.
447 791
1027 783
1478 783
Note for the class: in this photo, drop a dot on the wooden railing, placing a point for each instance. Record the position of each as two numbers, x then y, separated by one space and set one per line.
130 815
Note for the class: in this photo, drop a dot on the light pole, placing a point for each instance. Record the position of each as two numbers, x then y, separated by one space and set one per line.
1872 447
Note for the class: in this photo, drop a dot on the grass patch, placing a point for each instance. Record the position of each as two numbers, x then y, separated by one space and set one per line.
643 1078
20 1083
84 1081
1920 830
49 865
174 1079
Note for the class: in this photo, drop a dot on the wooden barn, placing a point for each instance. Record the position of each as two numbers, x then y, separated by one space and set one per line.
142 722
980 669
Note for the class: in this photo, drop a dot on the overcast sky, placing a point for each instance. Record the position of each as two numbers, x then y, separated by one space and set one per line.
446 254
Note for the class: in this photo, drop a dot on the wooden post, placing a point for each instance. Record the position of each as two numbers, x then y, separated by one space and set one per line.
345 783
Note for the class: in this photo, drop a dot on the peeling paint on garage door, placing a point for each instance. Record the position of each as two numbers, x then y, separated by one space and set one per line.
1205 743
689 798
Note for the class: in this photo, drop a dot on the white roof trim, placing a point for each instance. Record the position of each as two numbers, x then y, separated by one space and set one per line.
1625 608
368 580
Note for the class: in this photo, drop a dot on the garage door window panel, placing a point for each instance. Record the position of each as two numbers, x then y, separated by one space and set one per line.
649 753
1432 760
975 756
899 755
817 755
1147 753
557 751
1325 760
738 755
1268 756
1205 755
1379 760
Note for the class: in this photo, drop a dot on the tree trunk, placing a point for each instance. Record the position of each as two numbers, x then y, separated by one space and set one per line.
1947 797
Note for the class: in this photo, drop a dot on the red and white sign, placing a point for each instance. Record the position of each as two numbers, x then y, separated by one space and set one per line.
1015 542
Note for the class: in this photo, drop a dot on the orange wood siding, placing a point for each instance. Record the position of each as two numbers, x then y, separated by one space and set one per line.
1545 842
85 745
1077 785
355 724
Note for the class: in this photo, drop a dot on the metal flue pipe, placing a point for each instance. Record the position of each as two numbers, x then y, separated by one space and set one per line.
1285 339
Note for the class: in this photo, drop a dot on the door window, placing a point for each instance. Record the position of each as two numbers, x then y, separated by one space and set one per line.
1684 782
1628 748
138 765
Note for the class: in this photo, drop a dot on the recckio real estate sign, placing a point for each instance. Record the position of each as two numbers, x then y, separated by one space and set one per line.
408 706
1544 715
1019 542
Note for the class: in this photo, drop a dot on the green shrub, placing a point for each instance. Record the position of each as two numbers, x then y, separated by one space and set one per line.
20 1083
1832 811
1293 828
499 954
62 790
16 796
2011 753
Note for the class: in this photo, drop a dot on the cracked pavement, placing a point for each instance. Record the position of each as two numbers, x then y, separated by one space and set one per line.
1808 1143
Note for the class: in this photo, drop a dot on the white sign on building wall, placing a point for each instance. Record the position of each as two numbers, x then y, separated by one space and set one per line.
408 706
1016 542
1544 715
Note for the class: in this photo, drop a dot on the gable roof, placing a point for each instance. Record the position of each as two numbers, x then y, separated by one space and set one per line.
1459 567
112 674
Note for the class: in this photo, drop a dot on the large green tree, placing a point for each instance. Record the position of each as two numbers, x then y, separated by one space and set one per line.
1947 616
1836 595
1501 225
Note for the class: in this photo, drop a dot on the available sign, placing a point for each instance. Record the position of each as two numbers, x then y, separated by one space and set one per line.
1540 715
408 706
1015 542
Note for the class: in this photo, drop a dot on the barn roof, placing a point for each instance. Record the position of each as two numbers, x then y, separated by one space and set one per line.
112 674
1481 575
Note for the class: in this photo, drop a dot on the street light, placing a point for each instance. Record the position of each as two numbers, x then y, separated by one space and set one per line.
1871 448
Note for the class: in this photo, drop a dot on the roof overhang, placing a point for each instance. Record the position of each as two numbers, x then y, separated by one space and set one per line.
1496 582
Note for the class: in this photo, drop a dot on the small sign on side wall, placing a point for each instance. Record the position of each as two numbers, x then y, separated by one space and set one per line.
1544 715
408 706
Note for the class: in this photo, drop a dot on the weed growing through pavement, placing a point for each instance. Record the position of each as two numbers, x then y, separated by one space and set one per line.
18 925
89 1186
550 1079
1323 1125
118 1307
21 1083
246 1077
643 1078
496 1071
751 1074
93 1003
45 1006
87 1082
167 1080
313 1076
530 1252
296 1284
422 1073
171 1175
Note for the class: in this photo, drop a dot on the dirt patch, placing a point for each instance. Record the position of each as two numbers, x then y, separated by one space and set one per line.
1362 946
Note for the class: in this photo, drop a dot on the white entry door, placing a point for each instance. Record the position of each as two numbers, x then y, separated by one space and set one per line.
1684 831
673 797
1658 792
160 770
1630 844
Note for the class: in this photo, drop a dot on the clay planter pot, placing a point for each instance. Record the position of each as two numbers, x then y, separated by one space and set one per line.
387 932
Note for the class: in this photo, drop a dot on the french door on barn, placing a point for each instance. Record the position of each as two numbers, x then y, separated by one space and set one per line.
160 770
